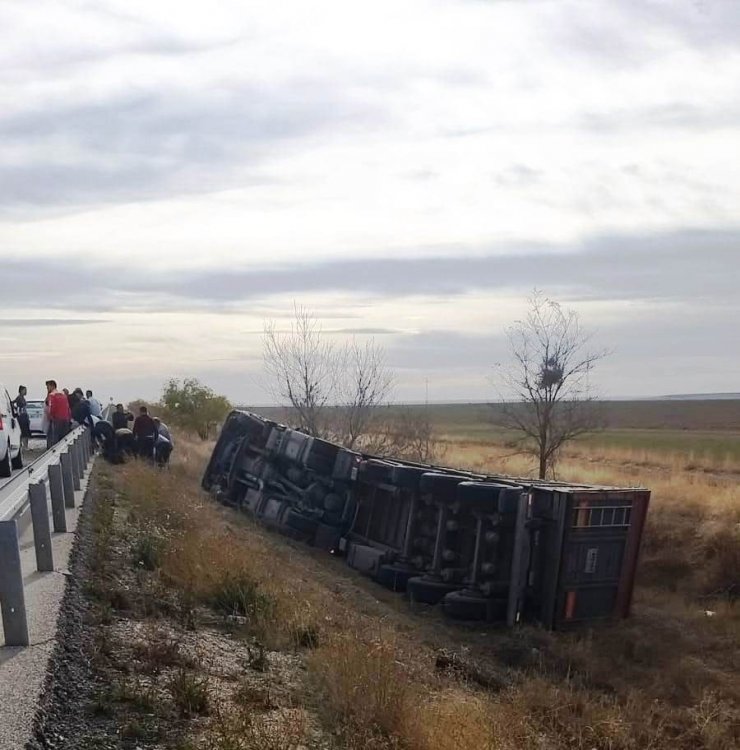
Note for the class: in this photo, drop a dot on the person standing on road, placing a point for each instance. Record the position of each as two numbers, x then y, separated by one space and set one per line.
96 410
24 422
58 412
81 409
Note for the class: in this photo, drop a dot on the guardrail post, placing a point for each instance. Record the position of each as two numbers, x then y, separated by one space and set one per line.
12 600
74 460
41 531
77 460
56 490
83 453
67 479
86 446
80 442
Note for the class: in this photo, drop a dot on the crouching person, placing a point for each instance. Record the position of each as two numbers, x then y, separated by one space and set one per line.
164 443
105 436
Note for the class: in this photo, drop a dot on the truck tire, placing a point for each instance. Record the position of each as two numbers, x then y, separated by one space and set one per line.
442 487
333 502
407 477
376 471
17 462
327 538
322 456
395 577
468 605
5 469
303 524
428 590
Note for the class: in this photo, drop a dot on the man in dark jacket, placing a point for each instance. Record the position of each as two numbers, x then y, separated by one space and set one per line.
145 434
121 418
81 409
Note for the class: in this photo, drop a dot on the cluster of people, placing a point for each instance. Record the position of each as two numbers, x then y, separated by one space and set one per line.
150 438
62 409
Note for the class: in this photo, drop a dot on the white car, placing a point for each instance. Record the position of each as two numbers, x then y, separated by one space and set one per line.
35 409
11 452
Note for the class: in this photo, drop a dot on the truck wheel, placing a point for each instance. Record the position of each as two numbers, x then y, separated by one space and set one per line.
467 605
17 462
327 538
394 577
407 477
297 522
333 502
5 470
427 590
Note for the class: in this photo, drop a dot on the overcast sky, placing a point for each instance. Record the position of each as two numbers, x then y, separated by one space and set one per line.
174 174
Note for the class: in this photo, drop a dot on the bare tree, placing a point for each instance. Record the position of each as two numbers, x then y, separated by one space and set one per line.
302 369
408 433
334 389
364 384
546 393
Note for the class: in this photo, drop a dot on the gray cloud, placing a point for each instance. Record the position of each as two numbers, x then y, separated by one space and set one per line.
638 35
144 146
47 322
679 265
366 331
677 115
694 266
446 351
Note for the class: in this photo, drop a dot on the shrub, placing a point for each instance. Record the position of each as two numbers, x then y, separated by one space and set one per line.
190 694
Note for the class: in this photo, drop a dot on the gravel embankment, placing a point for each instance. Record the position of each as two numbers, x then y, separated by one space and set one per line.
64 715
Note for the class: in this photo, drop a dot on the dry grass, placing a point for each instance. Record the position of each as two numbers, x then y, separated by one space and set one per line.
211 562
364 684
664 679
692 539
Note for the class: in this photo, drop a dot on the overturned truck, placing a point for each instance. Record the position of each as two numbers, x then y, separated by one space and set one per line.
482 546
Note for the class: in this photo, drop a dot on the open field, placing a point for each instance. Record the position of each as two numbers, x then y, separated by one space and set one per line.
206 631
703 432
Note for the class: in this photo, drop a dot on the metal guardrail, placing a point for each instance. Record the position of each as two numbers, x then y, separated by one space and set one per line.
55 475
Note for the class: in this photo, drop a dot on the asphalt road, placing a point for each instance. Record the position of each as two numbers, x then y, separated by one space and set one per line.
36 447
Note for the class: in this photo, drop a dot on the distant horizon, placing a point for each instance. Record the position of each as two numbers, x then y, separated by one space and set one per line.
474 402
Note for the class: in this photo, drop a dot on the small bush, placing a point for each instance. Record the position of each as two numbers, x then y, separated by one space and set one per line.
134 692
238 594
305 636
147 551
284 730
133 730
190 694
248 695
159 651
363 683
451 720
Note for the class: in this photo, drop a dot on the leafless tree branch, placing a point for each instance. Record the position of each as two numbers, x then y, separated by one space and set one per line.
548 398
334 389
